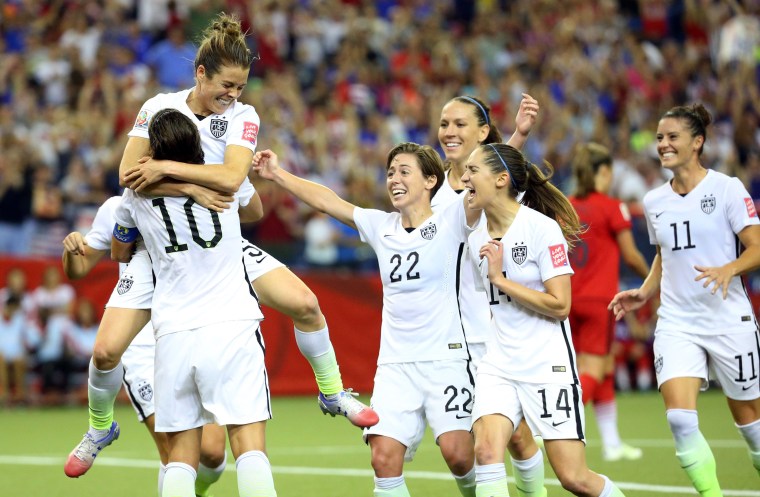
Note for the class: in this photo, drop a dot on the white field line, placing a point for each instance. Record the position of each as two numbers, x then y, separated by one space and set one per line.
9 460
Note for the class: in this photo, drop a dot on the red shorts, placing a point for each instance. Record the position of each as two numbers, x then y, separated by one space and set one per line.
592 326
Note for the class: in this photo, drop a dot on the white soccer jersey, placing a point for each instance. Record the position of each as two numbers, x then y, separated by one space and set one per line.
476 316
527 346
239 125
99 238
700 229
419 274
196 260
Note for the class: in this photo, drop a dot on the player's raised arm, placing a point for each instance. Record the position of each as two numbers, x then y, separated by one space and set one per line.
315 195
78 257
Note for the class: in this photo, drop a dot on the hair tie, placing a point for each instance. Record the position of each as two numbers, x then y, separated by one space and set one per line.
485 114
511 176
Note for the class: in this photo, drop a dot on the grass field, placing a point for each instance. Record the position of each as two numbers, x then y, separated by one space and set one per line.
315 455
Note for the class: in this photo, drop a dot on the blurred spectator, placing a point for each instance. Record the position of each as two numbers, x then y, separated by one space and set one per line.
15 286
320 241
16 224
15 340
172 60
53 296
80 341
51 359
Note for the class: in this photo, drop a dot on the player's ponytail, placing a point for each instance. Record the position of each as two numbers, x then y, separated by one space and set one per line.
223 43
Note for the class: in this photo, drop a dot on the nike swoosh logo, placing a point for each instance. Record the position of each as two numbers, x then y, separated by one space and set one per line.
386 236
747 388
560 423
659 214
463 417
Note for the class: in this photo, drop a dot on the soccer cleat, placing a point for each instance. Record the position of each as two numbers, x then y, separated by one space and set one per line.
623 452
84 454
346 405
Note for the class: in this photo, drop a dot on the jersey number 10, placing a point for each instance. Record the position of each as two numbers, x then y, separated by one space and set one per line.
176 245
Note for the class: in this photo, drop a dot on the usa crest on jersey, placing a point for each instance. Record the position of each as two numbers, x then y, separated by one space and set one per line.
125 283
428 232
519 254
145 391
708 204
218 127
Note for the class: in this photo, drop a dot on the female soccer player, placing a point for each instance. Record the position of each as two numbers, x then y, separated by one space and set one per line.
595 260
464 125
423 375
528 371
699 221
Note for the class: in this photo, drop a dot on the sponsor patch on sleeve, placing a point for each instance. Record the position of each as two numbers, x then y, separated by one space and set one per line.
143 119
558 255
751 211
250 132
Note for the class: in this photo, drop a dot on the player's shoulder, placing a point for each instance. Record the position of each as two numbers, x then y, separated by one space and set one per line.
243 110
657 194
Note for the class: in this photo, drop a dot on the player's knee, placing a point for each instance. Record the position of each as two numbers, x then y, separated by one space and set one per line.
382 462
105 357
212 457
574 481
486 452
522 445
304 307
682 422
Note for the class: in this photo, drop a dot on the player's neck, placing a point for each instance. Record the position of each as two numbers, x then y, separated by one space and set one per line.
500 217
686 179
413 216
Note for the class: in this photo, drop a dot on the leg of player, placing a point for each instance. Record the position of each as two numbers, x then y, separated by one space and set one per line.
457 450
692 450
283 291
746 415
492 432
527 462
254 472
213 458
568 459
184 454
605 409
162 445
117 329
388 464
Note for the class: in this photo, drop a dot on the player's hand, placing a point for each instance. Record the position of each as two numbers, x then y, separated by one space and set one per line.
527 114
145 173
210 199
266 164
74 243
626 301
493 252
719 277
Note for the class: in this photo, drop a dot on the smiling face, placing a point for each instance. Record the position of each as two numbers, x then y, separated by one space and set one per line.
216 93
458 132
675 145
406 184
481 182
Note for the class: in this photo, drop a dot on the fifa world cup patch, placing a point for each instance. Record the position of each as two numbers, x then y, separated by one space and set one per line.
558 255
125 283
143 119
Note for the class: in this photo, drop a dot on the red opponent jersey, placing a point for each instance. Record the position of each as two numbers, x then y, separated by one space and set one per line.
596 257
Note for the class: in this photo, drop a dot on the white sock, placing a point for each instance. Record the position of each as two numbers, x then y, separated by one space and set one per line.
254 475
609 489
161 474
208 476
102 389
751 433
529 475
606 419
390 487
179 480
466 483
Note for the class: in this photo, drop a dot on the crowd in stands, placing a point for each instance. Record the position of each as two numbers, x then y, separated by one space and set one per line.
337 83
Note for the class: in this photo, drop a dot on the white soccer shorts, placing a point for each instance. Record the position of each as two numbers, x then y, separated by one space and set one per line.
135 287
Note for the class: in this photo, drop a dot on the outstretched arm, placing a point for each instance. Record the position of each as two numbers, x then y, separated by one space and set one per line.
315 195
526 117
630 300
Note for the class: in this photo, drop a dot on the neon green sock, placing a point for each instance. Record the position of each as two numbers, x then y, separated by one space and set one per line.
497 488
529 476
466 483
316 347
698 461
102 389
391 487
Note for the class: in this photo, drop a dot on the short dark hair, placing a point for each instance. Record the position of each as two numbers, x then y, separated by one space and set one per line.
427 158
173 136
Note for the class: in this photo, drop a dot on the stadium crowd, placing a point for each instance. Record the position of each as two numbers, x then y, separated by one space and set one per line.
337 83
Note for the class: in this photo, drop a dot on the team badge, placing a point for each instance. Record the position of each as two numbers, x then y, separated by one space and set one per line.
125 283
708 204
519 254
218 127
143 119
145 392
658 364
428 232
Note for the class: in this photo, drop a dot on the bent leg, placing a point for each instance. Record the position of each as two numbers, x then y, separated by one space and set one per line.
388 464
568 459
457 449
527 462
491 435
746 414
254 472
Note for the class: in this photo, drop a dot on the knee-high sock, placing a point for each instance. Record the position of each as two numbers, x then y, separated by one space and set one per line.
491 480
693 452
390 487
208 476
317 348
610 490
179 480
466 483
102 389
605 409
529 475
161 474
751 433
255 475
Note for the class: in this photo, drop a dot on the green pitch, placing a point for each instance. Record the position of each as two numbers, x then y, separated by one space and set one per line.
316 455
